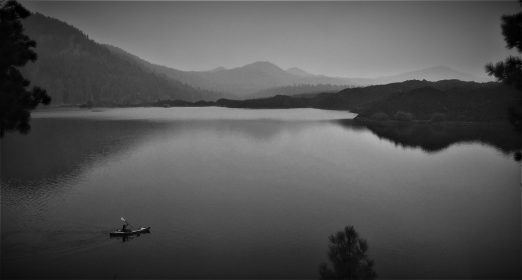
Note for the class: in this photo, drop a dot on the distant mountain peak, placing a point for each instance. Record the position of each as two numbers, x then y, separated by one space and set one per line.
438 69
298 72
220 68
105 66
434 73
263 65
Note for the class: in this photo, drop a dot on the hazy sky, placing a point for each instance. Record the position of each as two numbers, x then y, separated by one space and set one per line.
352 39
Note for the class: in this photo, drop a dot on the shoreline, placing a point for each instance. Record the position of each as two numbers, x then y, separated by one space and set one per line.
357 118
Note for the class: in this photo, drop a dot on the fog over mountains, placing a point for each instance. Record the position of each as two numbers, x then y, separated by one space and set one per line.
258 78
75 70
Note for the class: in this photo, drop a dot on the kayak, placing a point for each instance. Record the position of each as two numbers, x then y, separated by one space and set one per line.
130 232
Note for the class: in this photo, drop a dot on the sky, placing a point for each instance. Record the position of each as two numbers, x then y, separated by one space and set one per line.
347 39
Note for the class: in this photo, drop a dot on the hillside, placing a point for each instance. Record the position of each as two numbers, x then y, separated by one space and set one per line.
447 100
248 81
472 102
436 73
298 72
75 70
264 79
301 90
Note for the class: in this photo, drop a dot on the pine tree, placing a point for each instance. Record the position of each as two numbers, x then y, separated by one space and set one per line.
347 254
509 71
16 49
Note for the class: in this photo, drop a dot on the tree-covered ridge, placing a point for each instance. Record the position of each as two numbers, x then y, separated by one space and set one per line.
78 70
301 89
486 103
447 100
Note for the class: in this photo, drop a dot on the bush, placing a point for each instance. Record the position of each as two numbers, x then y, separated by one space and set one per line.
403 116
348 257
380 116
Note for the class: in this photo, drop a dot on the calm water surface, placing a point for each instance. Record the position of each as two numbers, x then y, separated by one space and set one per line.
250 194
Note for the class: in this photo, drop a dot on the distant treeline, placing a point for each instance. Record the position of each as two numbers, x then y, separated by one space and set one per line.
447 100
301 90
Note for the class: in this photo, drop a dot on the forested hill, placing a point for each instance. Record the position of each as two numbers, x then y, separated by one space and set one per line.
446 100
300 90
76 70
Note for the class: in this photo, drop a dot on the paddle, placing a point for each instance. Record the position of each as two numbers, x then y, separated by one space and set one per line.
125 221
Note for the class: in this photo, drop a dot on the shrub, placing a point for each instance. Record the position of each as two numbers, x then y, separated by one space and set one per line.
348 257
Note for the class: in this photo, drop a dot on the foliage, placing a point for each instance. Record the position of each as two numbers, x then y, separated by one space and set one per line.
459 101
462 101
347 254
301 90
509 71
16 49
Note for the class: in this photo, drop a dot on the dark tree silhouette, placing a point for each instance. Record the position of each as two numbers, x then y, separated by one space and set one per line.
16 49
347 254
509 71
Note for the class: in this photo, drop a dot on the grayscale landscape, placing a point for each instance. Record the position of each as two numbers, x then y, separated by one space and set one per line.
261 140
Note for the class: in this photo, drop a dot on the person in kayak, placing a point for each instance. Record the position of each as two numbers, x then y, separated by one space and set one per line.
124 228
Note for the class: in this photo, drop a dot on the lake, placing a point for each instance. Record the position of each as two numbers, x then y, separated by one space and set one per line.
233 193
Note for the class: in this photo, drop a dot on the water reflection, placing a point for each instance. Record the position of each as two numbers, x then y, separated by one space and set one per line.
59 150
126 238
436 138
66 147
271 188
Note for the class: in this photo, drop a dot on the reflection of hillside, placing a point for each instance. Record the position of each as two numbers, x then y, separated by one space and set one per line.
256 129
435 138
60 149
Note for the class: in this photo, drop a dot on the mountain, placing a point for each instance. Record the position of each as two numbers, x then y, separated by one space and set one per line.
298 72
218 69
240 82
250 78
76 70
436 73
300 90
262 78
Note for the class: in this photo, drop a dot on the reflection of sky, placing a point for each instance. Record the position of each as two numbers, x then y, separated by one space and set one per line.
188 113
268 193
